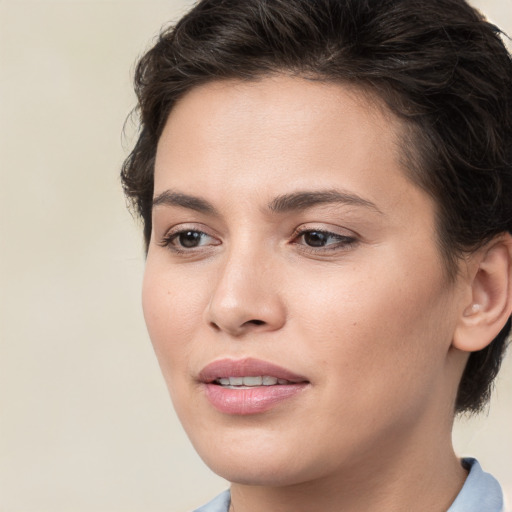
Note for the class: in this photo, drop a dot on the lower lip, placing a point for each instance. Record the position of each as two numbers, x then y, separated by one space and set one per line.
255 400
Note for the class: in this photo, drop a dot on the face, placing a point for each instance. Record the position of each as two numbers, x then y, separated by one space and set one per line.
294 292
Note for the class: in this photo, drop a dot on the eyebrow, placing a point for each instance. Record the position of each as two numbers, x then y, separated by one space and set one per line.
303 200
170 198
294 201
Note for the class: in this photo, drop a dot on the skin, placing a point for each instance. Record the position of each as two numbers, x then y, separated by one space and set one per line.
368 318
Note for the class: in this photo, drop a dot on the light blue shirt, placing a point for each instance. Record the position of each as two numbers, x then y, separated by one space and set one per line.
481 493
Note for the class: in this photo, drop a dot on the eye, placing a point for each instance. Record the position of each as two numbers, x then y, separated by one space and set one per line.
315 239
187 239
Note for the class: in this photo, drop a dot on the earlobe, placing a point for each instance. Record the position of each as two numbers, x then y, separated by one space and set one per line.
491 296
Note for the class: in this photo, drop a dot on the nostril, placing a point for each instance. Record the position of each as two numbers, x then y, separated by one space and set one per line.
215 326
255 322
245 327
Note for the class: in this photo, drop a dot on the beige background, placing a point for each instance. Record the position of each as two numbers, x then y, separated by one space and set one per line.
85 421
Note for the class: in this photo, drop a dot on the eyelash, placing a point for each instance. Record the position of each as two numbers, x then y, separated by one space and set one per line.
343 242
170 238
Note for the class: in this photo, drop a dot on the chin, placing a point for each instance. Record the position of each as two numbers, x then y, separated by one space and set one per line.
261 473
245 462
253 476
260 460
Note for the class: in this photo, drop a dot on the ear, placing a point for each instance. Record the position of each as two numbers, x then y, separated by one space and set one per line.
490 282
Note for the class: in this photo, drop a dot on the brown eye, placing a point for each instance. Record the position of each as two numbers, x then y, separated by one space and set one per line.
316 238
187 240
190 239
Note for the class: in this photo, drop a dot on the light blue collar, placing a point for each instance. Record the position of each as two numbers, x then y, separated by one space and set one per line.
481 491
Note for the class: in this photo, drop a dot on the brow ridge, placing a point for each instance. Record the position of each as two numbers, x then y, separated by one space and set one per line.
302 200
171 198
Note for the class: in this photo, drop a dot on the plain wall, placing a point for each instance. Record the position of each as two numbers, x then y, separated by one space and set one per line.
85 420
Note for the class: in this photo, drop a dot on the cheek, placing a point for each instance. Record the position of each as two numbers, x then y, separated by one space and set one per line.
172 307
388 327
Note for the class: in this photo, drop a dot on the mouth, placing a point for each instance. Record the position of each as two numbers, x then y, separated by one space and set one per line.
248 372
249 386
250 382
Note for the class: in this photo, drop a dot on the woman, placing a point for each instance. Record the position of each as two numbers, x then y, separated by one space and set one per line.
325 189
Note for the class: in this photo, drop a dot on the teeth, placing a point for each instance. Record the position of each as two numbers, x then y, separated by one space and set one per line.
251 381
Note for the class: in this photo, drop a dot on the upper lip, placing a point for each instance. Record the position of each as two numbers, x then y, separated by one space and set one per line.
248 367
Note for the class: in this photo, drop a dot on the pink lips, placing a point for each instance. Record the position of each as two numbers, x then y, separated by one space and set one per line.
251 400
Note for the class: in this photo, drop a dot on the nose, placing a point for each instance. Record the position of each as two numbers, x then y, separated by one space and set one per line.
246 297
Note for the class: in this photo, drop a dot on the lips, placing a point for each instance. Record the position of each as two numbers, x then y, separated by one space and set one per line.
249 367
249 386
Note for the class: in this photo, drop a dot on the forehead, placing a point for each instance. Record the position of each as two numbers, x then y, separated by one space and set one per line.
241 145
280 130
281 106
